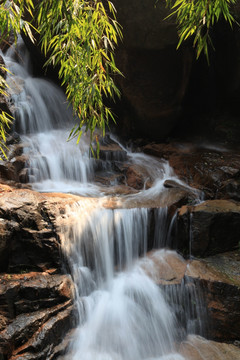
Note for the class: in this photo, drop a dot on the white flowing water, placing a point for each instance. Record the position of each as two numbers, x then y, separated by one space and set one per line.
124 311
123 314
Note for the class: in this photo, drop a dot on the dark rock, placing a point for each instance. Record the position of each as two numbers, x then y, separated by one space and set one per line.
7 171
109 150
219 279
33 242
155 75
231 189
25 293
209 228
3 72
37 312
29 231
6 42
13 139
24 176
33 332
13 169
19 162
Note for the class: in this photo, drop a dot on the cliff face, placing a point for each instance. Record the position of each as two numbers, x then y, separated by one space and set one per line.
165 89
155 74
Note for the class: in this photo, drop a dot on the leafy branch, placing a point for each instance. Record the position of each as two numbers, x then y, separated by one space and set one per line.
79 37
11 23
195 19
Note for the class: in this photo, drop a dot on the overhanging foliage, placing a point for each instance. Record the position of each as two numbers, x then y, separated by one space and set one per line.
196 18
80 36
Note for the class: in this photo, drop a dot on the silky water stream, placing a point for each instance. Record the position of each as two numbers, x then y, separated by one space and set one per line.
123 313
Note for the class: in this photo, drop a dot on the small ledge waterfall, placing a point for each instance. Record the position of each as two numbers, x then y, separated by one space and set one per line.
123 313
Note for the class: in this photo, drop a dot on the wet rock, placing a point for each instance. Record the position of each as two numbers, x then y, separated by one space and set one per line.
7 171
184 194
14 139
13 168
30 292
36 332
231 189
109 179
120 190
198 348
209 228
5 238
19 162
24 176
109 168
134 177
203 166
219 279
10 169
37 312
207 290
31 239
165 267
109 150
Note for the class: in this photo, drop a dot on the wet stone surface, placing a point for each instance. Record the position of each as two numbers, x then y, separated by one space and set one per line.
35 310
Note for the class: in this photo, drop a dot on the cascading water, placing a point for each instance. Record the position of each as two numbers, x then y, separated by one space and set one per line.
44 121
126 316
123 314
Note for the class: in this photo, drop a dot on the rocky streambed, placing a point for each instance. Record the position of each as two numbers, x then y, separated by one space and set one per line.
37 310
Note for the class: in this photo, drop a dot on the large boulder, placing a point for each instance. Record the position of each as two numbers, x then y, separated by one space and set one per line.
155 74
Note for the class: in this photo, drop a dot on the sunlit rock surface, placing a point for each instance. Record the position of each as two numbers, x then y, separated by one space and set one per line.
198 348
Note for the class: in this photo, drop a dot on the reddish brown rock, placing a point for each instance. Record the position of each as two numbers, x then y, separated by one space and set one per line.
134 177
165 267
38 331
198 348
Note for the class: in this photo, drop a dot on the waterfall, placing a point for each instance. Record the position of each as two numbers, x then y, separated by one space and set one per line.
44 120
123 313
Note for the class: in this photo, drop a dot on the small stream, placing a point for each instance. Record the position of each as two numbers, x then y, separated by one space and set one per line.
123 313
